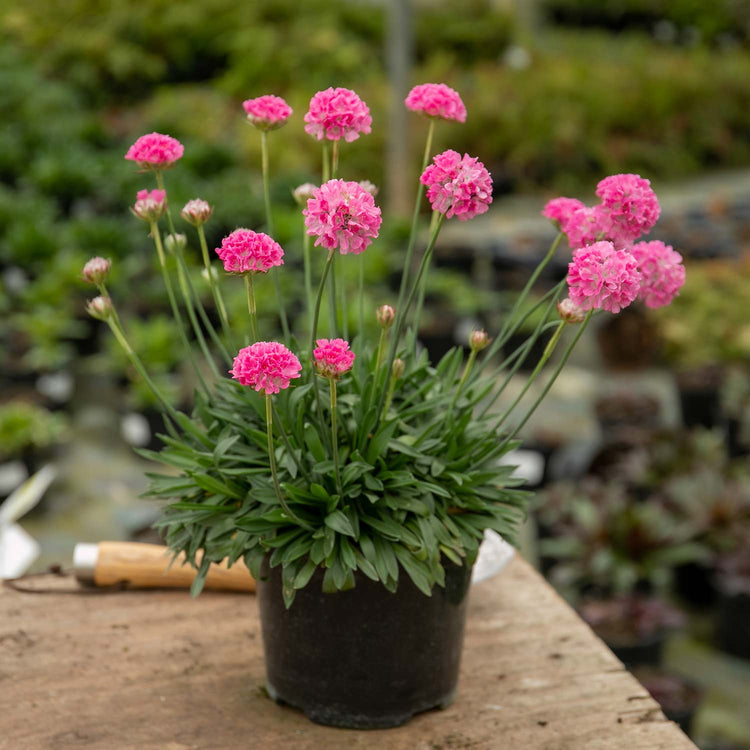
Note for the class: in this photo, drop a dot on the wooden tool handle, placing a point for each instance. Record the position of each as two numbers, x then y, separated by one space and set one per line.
145 566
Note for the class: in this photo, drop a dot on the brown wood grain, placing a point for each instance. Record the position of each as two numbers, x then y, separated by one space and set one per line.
158 670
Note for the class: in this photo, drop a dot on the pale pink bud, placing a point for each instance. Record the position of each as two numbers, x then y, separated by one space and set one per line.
96 270
371 188
385 316
303 193
99 308
196 212
479 340
398 369
175 242
150 205
570 312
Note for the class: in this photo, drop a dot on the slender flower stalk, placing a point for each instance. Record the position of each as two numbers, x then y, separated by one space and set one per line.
326 170
270 228
173 303
334 432
335 160
213 285
397 370
251 304
306 244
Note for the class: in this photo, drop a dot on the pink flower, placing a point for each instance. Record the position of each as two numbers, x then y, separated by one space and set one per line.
96 270
337 113
155 151
265 366
587 225
100 308
601 277
570 312
244 250
661 270
267 112
457 186
631 204
196 212
344 215
436 100
560 210
479 340
333 357
150 205
385 315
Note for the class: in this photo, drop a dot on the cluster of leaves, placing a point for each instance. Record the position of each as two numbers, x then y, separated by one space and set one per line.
25 426
419 486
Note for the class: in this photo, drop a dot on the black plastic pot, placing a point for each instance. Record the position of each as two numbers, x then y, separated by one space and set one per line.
733 624
693 582
646 651
363 658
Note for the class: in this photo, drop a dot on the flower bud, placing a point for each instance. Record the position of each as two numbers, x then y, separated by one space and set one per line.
479 340
398 368
303 193
99 308
369 187
385 316
570 312
96 270
150 205
174 242
196 212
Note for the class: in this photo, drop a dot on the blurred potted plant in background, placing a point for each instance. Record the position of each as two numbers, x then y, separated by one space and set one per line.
360 493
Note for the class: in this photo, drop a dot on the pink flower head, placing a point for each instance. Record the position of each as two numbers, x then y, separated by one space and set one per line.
196 212
436 100
457 186
560 210
337 113
267 112
601 277
100 308
570 312
333 357
96 270
150 205
661 270
344 215
265 366
244 250
155 151
631 204
588 224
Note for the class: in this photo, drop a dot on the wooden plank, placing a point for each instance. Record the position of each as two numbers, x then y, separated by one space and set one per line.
158 670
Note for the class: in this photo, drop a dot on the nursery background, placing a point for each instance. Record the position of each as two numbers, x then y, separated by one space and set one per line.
640 455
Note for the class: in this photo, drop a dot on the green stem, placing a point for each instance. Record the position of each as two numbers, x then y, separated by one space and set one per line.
381 347
335 160
251 304
326 172
314 328
343 306
288 445
389 397
270 229
119 334
415 219
333 318
215 291
334 436
361 295
462 382
272 461
173 304
551 381
306 243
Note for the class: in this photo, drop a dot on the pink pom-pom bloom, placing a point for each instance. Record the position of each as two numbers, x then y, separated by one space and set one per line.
457 186
244 250
333 357
155 151
344 215
632 205
150 205
662 272
196 212
436 100
337 113
96 270
265 366
601 277
560 210
267 112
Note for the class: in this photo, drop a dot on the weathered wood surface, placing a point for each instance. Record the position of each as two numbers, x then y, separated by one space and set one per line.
159 671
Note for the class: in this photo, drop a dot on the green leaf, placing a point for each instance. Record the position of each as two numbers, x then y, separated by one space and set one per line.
312 440
339 522
217 487
414 569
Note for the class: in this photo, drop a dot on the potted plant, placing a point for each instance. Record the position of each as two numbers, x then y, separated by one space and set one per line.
355 478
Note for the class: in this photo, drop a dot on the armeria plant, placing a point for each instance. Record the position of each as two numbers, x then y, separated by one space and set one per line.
361 457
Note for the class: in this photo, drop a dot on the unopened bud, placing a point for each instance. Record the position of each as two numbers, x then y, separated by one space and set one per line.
99 308
150 205
303 193
570 312
196 212
398 368
385 316
174 242
96 270
369 187
479 340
